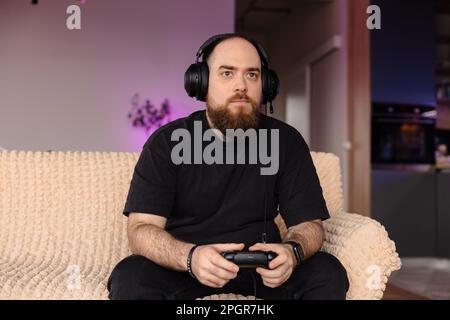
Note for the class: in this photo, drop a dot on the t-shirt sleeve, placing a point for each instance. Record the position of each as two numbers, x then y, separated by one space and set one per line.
300 194
152 188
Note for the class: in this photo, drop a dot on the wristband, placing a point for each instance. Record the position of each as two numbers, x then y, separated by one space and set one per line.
189 261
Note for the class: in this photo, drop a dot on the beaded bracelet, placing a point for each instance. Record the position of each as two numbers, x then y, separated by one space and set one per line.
189 261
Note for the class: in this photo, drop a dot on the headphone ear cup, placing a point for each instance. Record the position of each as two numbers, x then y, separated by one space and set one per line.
196 80
273 86
204 81
264 84
191 80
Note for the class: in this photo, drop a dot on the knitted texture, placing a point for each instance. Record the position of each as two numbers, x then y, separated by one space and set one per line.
363 247
61 227
228 296
62 230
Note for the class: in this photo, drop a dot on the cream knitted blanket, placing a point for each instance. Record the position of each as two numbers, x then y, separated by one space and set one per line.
62 230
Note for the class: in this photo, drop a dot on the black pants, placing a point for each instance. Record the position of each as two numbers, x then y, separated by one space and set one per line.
320 277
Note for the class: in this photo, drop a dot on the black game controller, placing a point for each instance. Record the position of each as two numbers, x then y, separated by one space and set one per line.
250 259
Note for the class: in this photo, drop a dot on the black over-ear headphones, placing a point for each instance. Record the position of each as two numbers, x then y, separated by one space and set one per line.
197 75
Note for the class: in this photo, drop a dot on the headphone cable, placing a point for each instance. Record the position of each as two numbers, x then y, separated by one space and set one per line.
254 284
264 235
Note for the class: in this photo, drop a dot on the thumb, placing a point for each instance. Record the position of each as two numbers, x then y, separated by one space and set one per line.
228 246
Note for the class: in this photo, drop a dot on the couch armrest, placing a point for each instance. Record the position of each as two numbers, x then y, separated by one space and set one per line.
363 247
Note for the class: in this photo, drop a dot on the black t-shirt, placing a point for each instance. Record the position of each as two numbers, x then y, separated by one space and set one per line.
217 203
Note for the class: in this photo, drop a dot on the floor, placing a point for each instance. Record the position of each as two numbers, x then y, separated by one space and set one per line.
395 293
420 278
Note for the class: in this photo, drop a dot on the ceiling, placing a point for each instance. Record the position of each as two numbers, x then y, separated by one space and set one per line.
263 15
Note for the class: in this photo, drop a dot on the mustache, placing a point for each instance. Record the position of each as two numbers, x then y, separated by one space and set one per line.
241 97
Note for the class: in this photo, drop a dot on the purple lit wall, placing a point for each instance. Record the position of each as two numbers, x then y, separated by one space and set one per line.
66 89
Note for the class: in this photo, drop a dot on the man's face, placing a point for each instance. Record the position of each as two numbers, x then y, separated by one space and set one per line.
235 89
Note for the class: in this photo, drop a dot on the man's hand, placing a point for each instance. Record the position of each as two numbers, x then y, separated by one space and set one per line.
211 268
280 268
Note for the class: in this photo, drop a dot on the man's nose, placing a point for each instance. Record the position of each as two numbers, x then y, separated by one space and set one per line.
240 85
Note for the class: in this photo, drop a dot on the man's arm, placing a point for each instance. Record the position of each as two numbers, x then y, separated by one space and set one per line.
310 235
147 237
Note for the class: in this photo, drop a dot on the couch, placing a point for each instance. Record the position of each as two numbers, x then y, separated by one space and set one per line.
62 230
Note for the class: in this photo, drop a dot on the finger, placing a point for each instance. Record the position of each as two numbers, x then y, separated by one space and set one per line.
275 282
206 280
265 273
260 246
271 284
221 247
213 279
278 261
272 281
205 277
223 263
221 273
210 284
216 280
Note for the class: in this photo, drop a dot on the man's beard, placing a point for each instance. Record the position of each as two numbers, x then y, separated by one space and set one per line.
223 118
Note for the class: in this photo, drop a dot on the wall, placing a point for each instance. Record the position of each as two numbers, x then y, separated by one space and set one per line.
310 25
403 53
321 115
71 90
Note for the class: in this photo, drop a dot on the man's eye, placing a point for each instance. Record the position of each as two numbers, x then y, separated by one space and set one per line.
253 75
227 74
